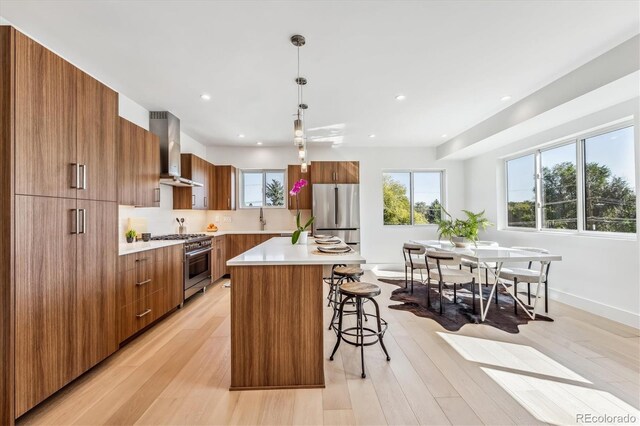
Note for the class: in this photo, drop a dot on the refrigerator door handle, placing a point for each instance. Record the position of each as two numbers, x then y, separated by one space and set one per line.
335 210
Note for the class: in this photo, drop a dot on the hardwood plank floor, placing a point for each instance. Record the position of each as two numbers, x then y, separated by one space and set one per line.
178 372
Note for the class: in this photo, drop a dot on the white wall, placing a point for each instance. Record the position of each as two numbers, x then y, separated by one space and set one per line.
380 244
597 273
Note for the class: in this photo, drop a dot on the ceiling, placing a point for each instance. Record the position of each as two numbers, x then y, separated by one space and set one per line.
454 60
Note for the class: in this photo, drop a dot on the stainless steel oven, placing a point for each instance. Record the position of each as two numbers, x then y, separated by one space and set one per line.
197 265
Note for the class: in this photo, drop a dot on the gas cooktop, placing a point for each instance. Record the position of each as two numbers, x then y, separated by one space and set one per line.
185 237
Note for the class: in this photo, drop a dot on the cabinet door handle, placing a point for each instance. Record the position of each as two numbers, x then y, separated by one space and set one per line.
75 171
229 202
141 260
193 200
141 283
148 311
205 201
83 169
157 191
83 216
76 219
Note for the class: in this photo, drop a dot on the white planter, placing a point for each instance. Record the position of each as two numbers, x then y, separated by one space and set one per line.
304 236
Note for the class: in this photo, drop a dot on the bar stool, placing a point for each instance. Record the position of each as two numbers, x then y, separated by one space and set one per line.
331 280
343 273
361 292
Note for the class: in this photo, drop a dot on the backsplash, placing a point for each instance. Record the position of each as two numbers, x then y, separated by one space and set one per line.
162 220
248 219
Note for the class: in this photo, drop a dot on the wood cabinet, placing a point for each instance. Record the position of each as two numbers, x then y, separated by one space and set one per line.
196 197
45 122
294 174
97 247
139 166
96 134
65 128
225 191
150 284
218 258
65 292
211 186
335 172
236 244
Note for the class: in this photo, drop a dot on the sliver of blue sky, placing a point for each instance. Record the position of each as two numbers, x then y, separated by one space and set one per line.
614 150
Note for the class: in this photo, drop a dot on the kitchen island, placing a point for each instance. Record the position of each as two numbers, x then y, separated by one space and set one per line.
277 315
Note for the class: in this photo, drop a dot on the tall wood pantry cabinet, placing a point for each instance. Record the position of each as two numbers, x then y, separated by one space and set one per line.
58 199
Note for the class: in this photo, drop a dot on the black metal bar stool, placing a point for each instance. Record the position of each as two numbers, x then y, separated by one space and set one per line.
364 336
343 273
331 280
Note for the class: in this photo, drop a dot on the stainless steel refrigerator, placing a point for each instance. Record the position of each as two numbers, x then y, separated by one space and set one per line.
336 208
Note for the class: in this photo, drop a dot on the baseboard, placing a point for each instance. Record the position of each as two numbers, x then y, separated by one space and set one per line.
606 311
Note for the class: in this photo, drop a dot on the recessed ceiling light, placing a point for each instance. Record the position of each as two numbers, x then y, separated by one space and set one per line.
258 143
400 97
505 98
241 136
372 136
205 96
444 135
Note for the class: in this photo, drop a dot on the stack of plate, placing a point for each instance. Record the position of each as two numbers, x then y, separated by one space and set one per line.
322 236
334 248
328 240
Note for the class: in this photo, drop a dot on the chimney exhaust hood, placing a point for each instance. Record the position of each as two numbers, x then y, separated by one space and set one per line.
167 127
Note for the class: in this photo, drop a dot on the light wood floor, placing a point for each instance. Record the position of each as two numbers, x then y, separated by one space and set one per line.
178 373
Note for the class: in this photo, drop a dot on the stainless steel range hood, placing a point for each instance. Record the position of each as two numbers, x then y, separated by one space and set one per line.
167 127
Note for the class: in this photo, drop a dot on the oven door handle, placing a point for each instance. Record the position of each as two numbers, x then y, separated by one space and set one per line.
195 253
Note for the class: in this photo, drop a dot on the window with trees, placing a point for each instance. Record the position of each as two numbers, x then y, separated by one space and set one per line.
587 184
412 197
262 188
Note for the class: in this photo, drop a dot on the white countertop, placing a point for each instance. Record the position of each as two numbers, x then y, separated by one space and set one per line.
130 248
266 231
280 251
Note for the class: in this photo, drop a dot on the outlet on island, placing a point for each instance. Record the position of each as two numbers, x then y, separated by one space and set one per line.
226 219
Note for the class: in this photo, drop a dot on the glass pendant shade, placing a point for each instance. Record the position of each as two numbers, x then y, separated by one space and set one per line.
297 128
303 167
298 141
301 152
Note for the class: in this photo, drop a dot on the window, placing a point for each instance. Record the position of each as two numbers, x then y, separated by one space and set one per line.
609 182
262 188
559 188
412 197
585 185
521 192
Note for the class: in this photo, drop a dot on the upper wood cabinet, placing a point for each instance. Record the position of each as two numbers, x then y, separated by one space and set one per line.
138 165
45 122
96 133
225 191
65 127
211 186
335 172
304 197
196 197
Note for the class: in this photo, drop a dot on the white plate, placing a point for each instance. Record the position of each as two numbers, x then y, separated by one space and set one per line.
331 241
334 249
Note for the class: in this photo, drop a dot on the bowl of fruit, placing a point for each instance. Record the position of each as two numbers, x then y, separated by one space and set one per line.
212 227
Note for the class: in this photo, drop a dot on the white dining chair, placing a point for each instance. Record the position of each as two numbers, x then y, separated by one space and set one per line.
528 275
443 267
413 260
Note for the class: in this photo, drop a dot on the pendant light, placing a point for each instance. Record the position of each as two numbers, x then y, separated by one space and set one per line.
299 137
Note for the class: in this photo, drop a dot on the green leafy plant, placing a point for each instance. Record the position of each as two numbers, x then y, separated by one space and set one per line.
469 228
297 187
131 234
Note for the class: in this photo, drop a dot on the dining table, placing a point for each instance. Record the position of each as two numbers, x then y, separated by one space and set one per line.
497 256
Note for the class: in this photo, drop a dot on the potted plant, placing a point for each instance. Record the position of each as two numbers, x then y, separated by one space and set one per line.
301 234
462 232
131 235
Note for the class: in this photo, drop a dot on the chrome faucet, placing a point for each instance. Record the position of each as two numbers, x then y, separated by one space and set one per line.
262 221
